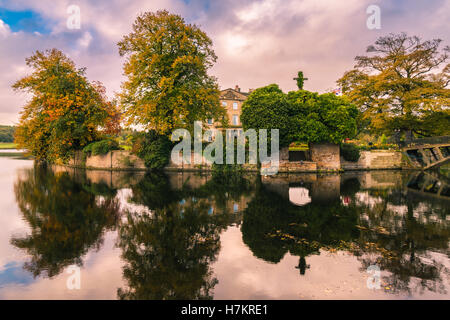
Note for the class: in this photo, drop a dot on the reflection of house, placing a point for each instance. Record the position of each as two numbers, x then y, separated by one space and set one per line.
231 100
194 181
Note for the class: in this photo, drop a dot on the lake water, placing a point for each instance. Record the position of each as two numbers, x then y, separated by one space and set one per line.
222 236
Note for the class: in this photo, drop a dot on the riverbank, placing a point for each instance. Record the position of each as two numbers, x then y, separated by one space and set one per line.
123 160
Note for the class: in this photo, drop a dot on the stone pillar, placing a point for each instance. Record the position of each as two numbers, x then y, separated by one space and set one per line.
326 155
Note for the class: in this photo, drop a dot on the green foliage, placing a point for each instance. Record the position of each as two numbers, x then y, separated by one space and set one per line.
383 139
101 147
300 115
7 133
300 80
350 152
153 148
167 64
267 108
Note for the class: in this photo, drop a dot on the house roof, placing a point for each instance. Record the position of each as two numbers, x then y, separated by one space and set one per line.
232 94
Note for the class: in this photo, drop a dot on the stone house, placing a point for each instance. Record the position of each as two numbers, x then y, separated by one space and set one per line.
231 100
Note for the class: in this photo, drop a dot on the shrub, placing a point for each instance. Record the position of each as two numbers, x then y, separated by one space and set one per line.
153 148
350 152
101 147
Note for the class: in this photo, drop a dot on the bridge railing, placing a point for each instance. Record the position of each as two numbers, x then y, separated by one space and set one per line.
429 140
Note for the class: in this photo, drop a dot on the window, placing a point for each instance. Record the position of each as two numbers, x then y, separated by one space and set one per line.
210 121
236 207
235 120
235 105
224 103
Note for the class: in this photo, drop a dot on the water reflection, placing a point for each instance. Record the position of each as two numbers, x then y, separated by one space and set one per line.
169 226
168 253
65 216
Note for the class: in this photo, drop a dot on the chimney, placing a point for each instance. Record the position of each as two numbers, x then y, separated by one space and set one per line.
237 88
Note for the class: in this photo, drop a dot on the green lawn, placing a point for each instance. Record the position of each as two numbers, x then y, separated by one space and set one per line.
7 145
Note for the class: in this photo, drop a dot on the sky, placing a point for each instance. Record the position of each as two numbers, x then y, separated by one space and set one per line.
258 42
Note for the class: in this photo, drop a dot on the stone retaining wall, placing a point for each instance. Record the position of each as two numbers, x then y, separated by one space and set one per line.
117 159
326 155
375 159
325 158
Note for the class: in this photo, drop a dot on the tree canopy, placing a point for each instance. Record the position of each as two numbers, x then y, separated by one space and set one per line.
168 86
66 111
402 85
300 115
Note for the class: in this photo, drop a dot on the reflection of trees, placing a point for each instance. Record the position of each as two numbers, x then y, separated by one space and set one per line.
168 253
273 226
387 227
65 219
404 230
154 191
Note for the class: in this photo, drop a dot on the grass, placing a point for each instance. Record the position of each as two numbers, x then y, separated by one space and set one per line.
7 145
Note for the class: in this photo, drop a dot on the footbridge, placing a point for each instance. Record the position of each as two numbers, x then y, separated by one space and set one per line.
427 153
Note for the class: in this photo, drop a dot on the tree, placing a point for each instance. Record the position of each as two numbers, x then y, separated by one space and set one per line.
7 133
267 108
66 111
153 148
321 117
300 115
402 85
168 86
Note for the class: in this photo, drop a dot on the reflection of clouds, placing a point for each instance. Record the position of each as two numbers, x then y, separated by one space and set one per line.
299 196
124 196
10 221
101 275
364 198
243 276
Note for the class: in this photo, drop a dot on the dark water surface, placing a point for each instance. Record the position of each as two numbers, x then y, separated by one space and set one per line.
222 236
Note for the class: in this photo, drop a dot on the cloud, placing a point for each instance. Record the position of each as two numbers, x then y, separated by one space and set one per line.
4 29
257 42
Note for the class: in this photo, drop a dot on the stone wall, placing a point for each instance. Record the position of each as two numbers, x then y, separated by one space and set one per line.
326 155
118 159
375 159
295 166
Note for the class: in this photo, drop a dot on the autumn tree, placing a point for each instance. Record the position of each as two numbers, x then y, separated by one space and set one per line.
402 85
166 65
65 112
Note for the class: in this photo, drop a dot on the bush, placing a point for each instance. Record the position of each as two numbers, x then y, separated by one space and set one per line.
153 148
350 152
101 147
